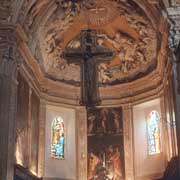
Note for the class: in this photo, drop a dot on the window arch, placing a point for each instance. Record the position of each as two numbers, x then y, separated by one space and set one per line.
153 123
57 138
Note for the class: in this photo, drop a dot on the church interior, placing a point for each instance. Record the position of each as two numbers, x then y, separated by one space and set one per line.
89 89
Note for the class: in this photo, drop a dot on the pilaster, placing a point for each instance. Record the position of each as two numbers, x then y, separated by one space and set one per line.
81 126
8 95
174 41
128 141
42 126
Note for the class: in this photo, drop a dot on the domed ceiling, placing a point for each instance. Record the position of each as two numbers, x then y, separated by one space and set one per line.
121 26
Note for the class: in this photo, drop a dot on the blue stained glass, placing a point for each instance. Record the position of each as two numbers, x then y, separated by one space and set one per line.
153 133
57 138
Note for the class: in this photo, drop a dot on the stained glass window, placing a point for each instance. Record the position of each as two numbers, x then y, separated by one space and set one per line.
153 133
57 138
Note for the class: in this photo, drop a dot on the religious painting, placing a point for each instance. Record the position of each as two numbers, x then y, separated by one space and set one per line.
57 138
22 121
153 127
105 144
34 131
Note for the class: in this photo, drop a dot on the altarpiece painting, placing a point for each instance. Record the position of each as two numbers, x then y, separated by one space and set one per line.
105 144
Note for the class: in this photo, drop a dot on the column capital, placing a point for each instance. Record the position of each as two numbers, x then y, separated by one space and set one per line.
174 20
7 35
8 55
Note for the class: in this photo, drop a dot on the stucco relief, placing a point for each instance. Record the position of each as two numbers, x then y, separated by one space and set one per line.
52 45
134 52
121 26
132 56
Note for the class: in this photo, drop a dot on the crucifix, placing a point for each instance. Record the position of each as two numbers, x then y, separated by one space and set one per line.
88 55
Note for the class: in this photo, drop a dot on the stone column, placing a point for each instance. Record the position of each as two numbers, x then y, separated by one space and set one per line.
8 95
177 110
174 43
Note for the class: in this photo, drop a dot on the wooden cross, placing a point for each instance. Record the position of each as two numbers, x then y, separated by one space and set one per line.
88 56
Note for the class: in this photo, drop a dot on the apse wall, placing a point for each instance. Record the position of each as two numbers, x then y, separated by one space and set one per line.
147 166
61 168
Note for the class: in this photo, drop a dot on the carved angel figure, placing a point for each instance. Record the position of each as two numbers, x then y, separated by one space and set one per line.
104 76
50 42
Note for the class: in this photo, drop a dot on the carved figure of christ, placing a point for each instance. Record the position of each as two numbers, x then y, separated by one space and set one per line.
88 56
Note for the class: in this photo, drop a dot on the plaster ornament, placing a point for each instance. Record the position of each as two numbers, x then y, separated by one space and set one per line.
127 50
36 8
74 44
50 42
104 75
134 40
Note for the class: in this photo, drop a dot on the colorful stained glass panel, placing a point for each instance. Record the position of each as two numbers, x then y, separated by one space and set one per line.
58 139
154 133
